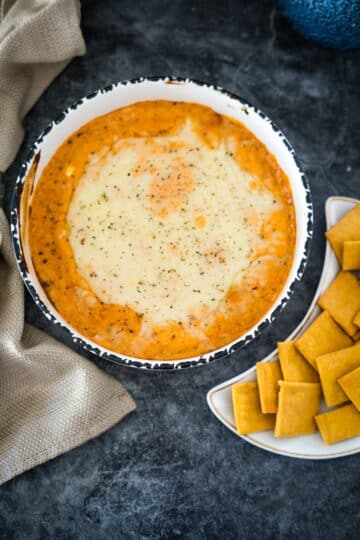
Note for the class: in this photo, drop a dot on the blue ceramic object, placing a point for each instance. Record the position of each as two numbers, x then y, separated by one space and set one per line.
333 23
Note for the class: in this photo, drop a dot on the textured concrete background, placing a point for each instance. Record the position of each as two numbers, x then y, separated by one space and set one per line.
171 470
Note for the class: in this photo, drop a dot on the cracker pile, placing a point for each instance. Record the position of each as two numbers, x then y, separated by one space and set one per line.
323 362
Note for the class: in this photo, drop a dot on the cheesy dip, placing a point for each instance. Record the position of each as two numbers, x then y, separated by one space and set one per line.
162 230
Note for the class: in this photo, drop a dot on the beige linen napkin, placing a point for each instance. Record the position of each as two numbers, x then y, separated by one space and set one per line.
51 399
38 38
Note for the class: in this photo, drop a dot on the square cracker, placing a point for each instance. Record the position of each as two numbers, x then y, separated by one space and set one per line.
342 301
323 336
350 383
268 376
347 229
339 424
298 405
247 410
351 255
293 365
331 367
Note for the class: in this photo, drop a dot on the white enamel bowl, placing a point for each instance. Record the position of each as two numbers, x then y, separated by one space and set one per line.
121 94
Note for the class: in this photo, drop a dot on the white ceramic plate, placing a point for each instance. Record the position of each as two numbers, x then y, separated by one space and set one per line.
307 446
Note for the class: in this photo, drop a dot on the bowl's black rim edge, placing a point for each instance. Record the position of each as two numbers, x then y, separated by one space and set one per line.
122 359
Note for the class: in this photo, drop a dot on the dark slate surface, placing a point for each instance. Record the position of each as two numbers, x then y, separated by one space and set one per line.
171 470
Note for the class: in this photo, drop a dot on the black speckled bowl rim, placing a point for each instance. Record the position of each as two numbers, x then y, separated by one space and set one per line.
121 359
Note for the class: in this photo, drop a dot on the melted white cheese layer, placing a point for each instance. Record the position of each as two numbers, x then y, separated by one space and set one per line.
166 255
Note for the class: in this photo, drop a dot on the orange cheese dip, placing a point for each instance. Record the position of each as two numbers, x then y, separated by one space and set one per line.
162 230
